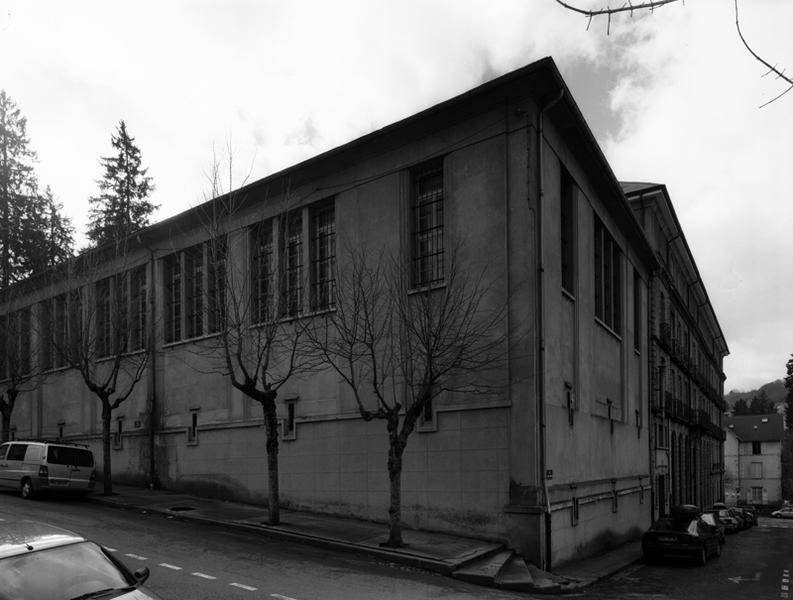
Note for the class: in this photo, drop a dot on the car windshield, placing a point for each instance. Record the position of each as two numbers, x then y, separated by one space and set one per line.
60 573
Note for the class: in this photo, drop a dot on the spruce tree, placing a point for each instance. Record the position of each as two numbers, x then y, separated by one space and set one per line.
17 186
34 234
122 206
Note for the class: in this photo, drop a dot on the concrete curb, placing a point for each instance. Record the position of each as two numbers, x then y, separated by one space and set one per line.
402 556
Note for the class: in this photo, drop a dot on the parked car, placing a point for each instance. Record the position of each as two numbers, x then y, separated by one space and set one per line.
786 512
737 514
750 515
712 519
723 515
32 467
45 562
682 535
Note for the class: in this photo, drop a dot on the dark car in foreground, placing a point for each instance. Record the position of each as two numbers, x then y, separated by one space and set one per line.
712 519
682 535
43 562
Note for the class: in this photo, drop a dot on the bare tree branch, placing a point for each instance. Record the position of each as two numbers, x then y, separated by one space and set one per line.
771 68
608 11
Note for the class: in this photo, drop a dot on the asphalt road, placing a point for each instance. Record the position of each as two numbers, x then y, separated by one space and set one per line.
193 561
756 565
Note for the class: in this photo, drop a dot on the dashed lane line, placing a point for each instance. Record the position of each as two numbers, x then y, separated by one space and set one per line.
110 549
243 587
280 597
203 575
172 567
136 556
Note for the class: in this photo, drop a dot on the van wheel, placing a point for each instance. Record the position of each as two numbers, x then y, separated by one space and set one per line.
26 489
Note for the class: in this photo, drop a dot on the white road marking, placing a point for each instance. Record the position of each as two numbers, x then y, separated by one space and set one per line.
136 556
172 567
280 597
110 549
243 587
203 575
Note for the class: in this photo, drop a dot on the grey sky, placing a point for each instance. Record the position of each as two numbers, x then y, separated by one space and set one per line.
672 97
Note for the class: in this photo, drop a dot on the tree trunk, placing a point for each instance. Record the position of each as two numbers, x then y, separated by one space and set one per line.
271 431
106 476
6 425
395 451
7 411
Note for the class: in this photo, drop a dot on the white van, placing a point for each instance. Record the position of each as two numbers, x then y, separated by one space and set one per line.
33 467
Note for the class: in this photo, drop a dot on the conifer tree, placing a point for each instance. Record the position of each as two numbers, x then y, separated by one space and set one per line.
17 185
122 206
34 234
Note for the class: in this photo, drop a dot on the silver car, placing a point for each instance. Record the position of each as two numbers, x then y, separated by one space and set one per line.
45 562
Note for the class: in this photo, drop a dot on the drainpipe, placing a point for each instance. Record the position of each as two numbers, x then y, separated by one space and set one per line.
152 402
153 483
540 319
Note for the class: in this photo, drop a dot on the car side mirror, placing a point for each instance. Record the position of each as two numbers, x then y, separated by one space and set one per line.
141 575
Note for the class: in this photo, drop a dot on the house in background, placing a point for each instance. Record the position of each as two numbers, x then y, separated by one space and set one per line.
556 461
687 350
753 459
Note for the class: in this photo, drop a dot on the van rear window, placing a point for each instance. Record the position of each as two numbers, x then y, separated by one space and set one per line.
66 455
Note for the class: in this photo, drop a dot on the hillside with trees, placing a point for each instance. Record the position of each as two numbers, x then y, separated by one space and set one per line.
770 397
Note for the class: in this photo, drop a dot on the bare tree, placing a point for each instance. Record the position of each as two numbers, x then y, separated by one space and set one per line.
255 304
651 5
108 337
399 348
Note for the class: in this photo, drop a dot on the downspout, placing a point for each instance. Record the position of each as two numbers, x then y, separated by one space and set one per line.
152 401
540 317
153 482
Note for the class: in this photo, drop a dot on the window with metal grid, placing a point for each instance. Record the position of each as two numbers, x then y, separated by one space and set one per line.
323 255
608 280
427 226
194 297
292 291
262 270
216 284
173 298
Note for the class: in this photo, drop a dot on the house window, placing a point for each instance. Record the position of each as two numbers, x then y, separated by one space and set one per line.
427 224
194 290
323 256
757 495
292 276
574 511
756 470
192 430
261 236
567 231
608 280
137 333
53 335
117 436
757 447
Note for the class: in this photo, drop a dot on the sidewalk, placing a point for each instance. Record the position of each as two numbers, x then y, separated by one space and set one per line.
478 561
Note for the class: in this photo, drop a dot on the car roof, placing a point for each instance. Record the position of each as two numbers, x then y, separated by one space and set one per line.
23 536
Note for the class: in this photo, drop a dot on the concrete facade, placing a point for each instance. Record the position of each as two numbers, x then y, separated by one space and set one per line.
559 462
687 350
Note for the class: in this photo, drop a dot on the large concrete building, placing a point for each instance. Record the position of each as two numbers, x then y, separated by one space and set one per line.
556 460
687 351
